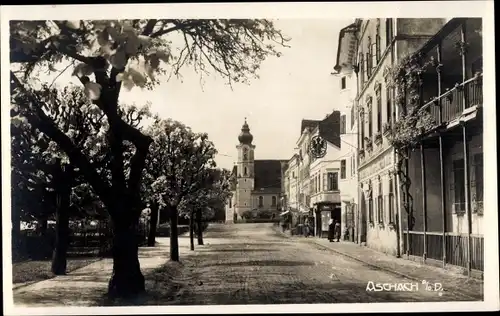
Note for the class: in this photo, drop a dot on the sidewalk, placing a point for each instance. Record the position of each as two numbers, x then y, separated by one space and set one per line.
405 268
88 285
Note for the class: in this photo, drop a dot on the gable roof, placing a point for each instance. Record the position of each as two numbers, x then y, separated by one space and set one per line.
268 174
329 128
308 124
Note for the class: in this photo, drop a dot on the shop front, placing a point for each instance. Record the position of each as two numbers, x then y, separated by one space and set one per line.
324 212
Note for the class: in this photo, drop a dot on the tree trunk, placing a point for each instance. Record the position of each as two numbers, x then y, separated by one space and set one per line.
43 225
63 178
152 224
174 235
62 241
200 227
191 231
127 280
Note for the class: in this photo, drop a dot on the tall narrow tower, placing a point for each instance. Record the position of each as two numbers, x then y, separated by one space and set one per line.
245 171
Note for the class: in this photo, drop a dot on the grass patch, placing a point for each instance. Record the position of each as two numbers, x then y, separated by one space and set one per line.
39 270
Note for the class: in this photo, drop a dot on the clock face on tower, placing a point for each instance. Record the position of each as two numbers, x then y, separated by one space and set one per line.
245 153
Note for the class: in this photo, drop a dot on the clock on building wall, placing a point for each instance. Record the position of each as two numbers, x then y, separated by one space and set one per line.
317 147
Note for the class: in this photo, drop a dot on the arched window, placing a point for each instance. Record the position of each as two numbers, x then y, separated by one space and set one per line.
273 201
261 201
245 171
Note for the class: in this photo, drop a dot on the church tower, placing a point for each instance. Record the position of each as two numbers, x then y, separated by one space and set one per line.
245 171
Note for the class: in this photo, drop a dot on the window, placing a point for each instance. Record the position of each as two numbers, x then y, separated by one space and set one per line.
353 165
458 186
368 66
343 83
362 123
370 208
477 66
369 60
342 124
380 204
245 171
230 203
352 116
379 112
343 169
370 118
389 106
273 201
361 70
293 174
388 32
333 183
261 201
377 46
477 181
391 202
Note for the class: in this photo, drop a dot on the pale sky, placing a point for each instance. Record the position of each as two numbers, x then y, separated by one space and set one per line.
295 86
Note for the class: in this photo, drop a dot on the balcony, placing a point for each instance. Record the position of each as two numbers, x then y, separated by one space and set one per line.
452 79
451 104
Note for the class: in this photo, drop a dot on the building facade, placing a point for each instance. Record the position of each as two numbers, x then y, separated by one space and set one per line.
347 82
381 44
291 199
325 171
446 170
258 183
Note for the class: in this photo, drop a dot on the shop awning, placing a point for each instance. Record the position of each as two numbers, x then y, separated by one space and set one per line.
284 213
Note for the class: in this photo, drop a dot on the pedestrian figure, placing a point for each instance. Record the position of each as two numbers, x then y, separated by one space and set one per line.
337 230
306 229
330 230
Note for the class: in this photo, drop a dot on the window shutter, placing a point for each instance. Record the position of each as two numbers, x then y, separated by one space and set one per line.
325 182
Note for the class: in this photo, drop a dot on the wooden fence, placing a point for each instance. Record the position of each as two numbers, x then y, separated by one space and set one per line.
450 248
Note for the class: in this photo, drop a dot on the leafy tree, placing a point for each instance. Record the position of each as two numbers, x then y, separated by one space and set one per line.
214 198
40 166
111 53
175 166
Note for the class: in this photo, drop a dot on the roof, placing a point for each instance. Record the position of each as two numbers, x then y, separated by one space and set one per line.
268 174
445 30
347 36
329 128
308 124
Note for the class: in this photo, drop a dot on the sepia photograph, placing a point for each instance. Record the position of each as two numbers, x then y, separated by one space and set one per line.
227 158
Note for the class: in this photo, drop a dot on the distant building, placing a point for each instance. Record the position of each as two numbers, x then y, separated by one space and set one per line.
258 184
312 189
324 186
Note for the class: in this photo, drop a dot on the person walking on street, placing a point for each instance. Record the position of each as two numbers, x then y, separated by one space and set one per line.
330 230
337 230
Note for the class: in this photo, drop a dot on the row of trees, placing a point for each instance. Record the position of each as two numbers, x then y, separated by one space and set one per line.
106 55
180 178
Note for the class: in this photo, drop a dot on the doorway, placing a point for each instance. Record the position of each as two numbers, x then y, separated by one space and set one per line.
362 219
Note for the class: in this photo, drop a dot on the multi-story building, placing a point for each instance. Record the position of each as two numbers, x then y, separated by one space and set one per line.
258 184
381 43
291 184
347 82
304 162
446 172
324 186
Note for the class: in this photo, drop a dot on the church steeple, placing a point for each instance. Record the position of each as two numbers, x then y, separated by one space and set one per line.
245 137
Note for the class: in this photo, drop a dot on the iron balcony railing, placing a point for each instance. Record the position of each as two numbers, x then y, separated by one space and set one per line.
451 104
